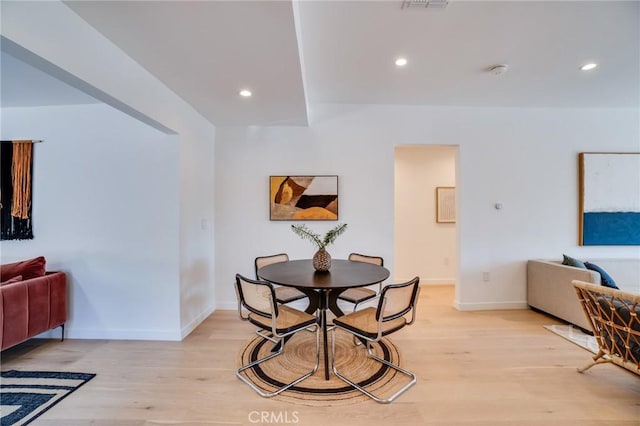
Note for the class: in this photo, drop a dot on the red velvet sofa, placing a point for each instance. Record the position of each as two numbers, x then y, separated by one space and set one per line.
32 301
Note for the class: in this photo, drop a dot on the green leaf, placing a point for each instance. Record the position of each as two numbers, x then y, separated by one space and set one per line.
304 232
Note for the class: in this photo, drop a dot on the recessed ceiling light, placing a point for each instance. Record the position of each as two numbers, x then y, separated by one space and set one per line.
589 66
245 93
401 62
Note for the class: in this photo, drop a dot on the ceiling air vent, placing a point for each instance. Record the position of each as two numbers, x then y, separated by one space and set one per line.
436 4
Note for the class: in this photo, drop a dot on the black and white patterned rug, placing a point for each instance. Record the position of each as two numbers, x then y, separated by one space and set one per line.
25 395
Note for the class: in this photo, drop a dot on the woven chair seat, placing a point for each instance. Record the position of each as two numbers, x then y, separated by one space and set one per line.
364 322
361 294
357 295
283 294
288 294
288 319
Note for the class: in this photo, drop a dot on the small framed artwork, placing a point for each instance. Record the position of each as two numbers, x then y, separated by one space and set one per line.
446 204
313 197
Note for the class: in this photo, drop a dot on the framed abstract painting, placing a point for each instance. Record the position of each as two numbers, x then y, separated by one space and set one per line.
313 197
609 185
445 204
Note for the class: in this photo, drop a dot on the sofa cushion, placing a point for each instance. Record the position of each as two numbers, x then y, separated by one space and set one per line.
31 307
15 314
11 280
31 268
572 261
606 279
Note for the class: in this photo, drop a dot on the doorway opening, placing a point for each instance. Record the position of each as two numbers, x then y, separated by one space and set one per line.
425 242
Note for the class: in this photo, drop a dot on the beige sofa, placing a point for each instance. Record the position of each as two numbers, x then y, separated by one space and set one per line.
550 288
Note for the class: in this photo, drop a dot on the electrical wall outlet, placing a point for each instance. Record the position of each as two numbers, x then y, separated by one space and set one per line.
486 276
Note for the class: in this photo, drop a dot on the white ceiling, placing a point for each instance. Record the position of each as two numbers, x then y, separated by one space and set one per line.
296 54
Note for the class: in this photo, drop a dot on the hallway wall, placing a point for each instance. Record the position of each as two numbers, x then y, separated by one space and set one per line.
423 247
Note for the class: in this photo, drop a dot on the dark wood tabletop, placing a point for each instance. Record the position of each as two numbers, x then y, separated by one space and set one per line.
342 275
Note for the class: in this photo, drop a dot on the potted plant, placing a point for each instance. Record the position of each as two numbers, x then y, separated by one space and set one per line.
321 259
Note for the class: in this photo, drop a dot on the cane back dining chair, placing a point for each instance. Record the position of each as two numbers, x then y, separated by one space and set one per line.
257 304
361 294
283 294
370 324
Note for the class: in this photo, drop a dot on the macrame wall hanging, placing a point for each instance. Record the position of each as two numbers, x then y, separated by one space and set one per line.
16 171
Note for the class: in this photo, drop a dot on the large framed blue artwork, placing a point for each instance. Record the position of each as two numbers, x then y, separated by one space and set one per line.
609 198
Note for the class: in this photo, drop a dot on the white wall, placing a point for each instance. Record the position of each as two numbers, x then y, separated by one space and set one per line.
88 61
197 291
423 247
524 158
105 210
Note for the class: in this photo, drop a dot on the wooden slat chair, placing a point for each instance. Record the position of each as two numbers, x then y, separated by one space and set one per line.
361 294
372 324
283 294
615 320
257 304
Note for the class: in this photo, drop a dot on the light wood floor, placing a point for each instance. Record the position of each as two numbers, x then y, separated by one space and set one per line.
473 368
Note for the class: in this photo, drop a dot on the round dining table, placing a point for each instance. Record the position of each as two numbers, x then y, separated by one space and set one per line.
323 288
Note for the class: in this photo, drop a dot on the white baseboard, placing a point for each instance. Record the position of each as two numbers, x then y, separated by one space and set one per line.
428 281
443 281
187 329
489 306
112 334
122 334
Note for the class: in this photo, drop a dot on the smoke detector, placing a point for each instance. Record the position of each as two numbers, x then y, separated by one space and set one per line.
439 4
498 69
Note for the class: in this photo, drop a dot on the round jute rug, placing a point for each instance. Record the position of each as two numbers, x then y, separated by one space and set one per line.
299 357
